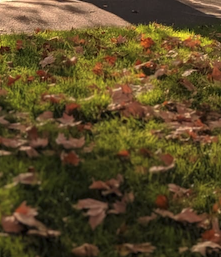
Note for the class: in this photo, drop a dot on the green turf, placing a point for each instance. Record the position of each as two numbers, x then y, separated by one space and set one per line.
197 164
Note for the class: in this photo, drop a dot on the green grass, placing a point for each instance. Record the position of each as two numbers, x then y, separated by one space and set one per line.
197 164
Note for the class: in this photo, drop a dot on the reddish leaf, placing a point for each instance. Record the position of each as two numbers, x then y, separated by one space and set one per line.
126 89
161 202
167 159
19 44
70 158
110 59
191 43
216 74
69 108
11 225
12 80
98 69
135 110
146 42
26 210
123 153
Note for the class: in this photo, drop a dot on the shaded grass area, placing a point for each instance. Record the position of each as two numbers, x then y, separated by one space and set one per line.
62 185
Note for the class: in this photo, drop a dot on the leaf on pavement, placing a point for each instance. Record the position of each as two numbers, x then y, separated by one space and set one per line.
86 250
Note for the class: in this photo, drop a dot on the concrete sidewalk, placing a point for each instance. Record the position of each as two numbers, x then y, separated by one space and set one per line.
27 15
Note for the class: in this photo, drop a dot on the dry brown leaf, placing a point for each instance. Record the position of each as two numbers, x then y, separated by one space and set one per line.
31 152
216 74
66 119
90 204
28 178
188 85
11 225
70 158
157 169
186 215
203 246
86 250
39 142
11 142
96 212
146 219
47 60
3 121
71 142
4 153
45 116
126 249
179 191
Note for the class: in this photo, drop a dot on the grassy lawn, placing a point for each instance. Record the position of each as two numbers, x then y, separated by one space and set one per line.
129 117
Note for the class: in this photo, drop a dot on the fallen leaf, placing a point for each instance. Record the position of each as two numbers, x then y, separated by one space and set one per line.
11 225
28 178
126 249
86 250
179 191
146 219
39 142
12 80
45 116
71 142
186 215
216 74
161 202
70 158
203 246
188 85
157 169
98 69
96 212
48 60
69 108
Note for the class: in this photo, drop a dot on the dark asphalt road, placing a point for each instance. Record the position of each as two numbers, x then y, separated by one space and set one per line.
27 15
177 12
